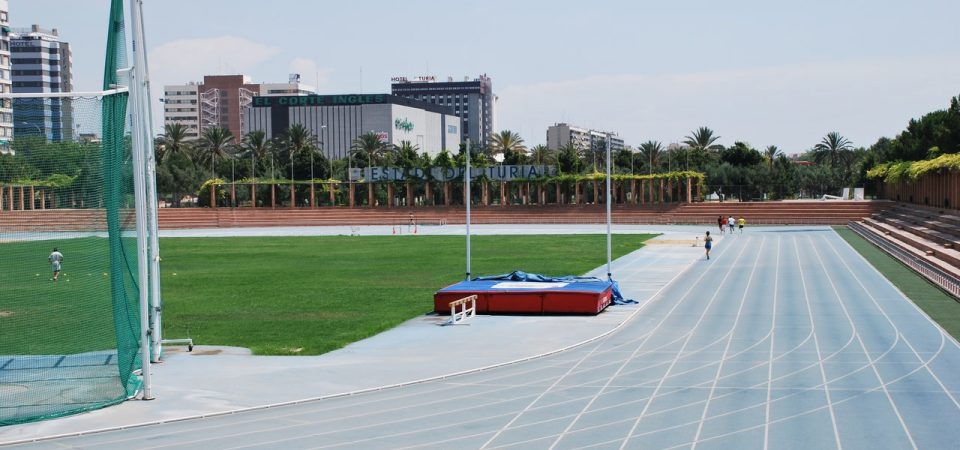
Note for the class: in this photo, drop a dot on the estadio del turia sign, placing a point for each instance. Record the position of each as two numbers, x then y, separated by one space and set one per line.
497 173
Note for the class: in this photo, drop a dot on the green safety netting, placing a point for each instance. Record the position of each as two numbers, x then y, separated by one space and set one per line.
71 344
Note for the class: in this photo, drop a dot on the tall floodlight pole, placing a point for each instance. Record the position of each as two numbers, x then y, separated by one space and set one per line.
141 145
466 183
609 199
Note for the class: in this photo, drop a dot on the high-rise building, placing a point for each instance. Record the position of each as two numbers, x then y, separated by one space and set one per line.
181 105
472 100
562 134
6 87
220 100
41 63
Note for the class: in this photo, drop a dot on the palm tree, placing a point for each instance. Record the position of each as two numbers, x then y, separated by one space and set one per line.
542 154
702 142
215 145
368 144
771 154
256 144
297 140
834 149
507 143
651 151
173 140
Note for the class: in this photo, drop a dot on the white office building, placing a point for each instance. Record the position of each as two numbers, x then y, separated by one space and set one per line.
473 101
561 134
337 121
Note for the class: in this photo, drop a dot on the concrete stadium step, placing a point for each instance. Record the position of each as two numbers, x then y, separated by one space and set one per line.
931 251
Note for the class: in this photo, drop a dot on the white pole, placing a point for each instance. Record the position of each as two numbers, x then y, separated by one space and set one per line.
152 211
466 182
609 199
140 136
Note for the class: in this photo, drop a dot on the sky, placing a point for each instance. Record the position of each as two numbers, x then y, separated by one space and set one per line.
763 72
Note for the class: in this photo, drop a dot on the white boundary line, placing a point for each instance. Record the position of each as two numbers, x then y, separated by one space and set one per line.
816 344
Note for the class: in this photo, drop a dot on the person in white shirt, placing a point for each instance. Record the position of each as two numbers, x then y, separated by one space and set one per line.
730 224
55 258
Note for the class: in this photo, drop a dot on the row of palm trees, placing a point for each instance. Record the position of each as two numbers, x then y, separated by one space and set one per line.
298 146
216 145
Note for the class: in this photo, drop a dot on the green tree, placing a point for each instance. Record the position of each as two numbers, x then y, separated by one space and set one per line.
509 144
368 145
702 144
740 154
173 140
542 155
650 153
216 145
836 152
256 145
569 159
770 154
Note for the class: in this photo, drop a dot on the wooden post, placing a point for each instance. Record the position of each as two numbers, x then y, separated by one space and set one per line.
370 199
43 199
313 194
233 194
351 194
446 193
576 193
293 195
389 194
333 196
273 196
253 195
427 194
689 200
213 195
409 193
21 198
32 198
698 188
503 193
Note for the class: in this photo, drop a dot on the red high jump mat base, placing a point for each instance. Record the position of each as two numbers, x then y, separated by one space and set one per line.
526 297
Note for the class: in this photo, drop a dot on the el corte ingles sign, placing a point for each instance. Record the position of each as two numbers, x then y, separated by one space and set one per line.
498 173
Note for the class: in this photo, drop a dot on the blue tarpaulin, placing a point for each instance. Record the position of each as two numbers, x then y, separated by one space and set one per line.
519 275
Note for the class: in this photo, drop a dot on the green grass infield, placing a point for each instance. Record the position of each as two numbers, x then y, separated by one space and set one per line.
311 295
940 306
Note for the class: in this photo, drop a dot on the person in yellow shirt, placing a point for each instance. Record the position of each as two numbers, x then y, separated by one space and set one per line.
741 222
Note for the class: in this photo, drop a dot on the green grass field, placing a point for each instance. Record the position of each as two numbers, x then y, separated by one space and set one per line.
937 304
311 295
73 315
277 296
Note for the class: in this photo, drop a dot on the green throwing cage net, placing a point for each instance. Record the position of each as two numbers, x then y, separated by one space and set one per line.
69 339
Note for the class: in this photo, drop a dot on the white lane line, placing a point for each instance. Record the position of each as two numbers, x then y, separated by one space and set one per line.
703 314
726 349
863 347
895 327
773 328
816 344
870 267
646 336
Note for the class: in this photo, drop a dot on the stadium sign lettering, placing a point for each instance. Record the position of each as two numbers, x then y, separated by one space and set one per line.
318 100
498 173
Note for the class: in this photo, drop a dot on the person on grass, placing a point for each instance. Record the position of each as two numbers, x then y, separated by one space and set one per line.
55 258
708 243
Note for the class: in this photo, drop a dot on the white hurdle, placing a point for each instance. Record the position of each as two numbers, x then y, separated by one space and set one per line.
465 312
